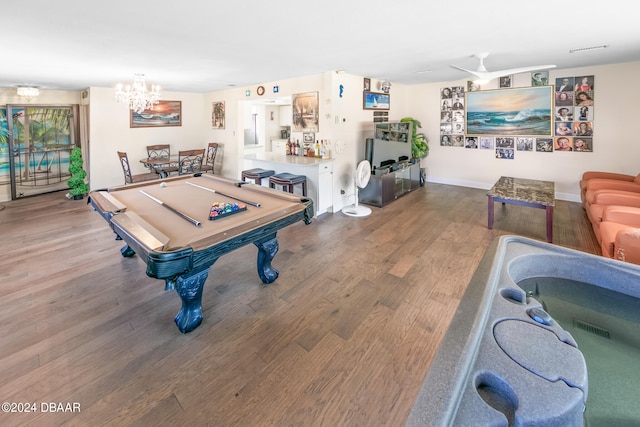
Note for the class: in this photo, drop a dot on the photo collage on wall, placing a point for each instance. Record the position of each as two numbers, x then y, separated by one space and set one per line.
571 129
574 112
452 116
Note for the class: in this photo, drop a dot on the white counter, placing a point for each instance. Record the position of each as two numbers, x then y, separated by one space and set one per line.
288 160
319 173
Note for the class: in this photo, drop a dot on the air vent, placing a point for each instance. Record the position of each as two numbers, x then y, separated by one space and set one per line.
584 49
592 329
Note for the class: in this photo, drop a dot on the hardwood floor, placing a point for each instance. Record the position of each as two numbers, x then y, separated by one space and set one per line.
343 337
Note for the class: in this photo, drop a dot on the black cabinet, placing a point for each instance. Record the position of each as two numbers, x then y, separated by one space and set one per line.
383 189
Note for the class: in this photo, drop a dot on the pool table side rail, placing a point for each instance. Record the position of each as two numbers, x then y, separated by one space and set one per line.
163 262
214 178
167 264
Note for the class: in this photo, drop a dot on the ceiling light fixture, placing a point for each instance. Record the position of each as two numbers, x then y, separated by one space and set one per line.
28 92
584 49
136 96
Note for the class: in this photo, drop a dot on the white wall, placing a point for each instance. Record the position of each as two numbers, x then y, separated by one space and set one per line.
346 124
110 132
615 144
342 121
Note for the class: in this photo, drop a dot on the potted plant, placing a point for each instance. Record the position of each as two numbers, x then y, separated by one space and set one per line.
419 145
77 187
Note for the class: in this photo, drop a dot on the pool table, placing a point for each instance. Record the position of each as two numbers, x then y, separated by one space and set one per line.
167 225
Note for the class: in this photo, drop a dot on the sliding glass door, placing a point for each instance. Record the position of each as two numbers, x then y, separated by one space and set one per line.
35 146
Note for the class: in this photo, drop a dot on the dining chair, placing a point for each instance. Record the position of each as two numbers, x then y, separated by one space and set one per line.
210 160
130 178
190 161
161 151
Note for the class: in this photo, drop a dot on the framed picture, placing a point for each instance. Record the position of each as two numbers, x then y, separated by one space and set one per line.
584 83
376 101
539 78
510 112
380 116
471 142
544 145
217 115
506 81
308 137
524 144
486 142
473 86
305 112
164 113
583 144
367 84
564 84
564 99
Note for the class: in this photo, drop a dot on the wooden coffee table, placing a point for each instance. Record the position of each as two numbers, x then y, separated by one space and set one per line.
524 192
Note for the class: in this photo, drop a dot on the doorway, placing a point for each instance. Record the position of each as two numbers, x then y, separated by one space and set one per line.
39 140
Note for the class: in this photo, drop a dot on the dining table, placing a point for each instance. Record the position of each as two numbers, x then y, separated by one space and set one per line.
161 165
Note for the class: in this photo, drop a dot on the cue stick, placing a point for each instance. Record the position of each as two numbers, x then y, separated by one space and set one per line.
174 210
257 205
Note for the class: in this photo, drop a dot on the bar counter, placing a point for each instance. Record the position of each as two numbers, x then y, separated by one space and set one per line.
319 173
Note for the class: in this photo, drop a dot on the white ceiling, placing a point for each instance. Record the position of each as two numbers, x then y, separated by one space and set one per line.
208 45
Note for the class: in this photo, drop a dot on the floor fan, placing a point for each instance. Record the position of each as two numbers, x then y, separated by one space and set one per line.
361 178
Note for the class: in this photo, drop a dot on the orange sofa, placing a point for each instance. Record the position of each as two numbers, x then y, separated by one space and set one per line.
612 204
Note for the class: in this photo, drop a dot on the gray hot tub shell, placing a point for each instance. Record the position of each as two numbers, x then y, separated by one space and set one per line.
503 361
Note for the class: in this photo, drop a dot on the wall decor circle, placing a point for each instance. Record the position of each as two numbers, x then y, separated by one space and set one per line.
260 90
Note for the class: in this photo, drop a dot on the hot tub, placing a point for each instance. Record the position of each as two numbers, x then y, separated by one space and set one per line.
504 360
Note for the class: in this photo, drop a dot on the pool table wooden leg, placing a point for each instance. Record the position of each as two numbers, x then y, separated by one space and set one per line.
189 287
267 249
127 252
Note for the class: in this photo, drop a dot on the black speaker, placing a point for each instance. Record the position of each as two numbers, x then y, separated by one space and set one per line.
368 150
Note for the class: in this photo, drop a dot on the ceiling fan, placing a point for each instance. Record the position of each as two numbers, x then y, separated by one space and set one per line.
482 74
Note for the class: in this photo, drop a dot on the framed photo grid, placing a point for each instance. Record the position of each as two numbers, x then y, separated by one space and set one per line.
540 118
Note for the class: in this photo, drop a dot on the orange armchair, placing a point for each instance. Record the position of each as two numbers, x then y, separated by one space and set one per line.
595 201
593 180
612 204
620 233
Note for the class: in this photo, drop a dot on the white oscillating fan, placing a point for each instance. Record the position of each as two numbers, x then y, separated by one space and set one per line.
361 178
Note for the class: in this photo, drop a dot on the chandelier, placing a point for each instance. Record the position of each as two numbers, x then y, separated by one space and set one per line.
137 97
28 92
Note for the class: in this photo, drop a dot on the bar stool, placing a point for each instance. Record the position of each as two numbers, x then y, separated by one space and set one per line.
256 174
288 180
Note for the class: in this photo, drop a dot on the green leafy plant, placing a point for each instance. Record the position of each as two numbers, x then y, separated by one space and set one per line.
76 183
419 141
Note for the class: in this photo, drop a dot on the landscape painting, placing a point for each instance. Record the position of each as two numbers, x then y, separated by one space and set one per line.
513 112
164 113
